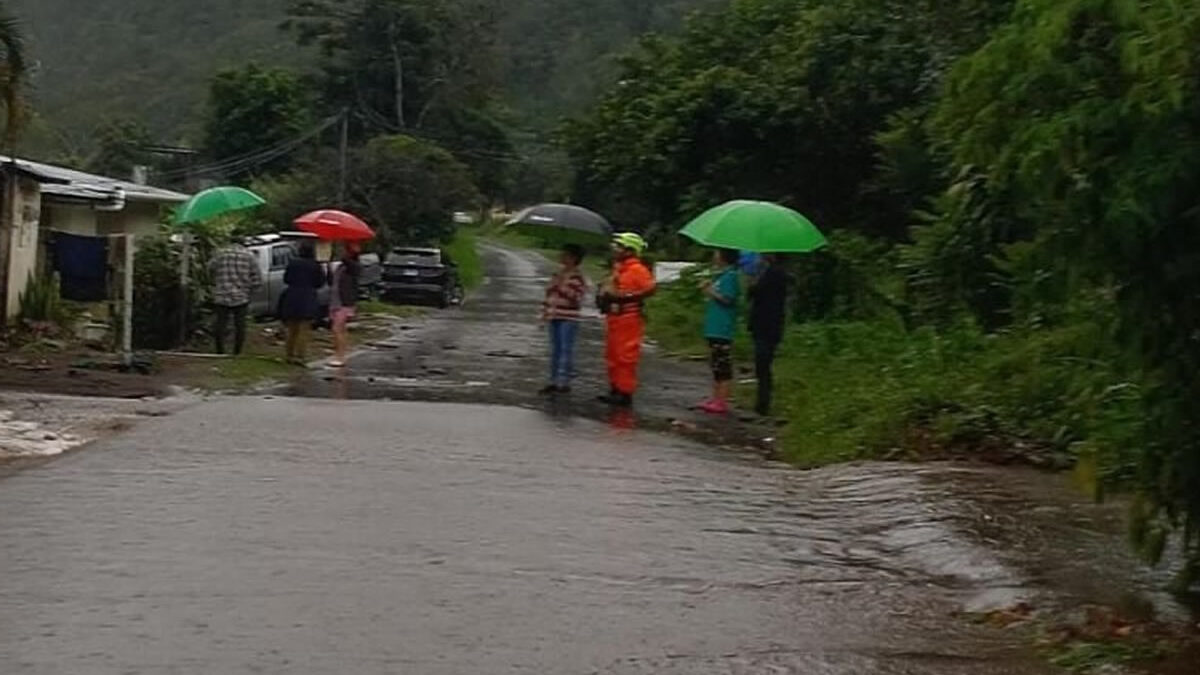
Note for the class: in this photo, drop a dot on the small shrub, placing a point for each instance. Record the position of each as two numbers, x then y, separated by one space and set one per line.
42 308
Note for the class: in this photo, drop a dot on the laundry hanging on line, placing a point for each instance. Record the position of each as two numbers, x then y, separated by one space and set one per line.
82 266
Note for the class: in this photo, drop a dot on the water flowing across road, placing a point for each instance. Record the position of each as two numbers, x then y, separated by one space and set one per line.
251 535
414 529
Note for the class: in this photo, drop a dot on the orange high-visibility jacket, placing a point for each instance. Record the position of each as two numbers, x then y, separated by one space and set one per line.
626 325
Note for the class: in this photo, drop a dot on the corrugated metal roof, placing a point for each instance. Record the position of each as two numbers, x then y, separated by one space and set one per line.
79 185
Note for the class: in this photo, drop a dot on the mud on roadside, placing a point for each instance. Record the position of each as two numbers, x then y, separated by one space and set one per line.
37 427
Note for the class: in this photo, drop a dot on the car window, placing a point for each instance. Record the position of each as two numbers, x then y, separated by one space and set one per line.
402 256
280 256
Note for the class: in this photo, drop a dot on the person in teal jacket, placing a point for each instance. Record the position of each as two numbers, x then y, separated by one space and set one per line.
720 322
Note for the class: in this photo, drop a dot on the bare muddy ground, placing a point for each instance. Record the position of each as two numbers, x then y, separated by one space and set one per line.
77 373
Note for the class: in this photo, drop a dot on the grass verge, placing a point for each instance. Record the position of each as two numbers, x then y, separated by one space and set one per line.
1091 657
245 371
262 361
464 251
865 389
380 307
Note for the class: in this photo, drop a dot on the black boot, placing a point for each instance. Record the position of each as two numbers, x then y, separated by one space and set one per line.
617 399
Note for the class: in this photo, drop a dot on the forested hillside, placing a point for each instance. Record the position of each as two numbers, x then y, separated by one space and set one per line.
560 54
152 60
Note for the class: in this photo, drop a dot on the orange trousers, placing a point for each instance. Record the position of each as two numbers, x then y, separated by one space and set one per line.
624 351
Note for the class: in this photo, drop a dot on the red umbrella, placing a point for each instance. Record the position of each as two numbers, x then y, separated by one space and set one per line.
335 226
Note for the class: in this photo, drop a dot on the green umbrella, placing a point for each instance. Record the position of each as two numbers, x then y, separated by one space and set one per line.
215 202
759 227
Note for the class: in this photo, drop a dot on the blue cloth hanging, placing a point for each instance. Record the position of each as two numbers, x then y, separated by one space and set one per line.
82 266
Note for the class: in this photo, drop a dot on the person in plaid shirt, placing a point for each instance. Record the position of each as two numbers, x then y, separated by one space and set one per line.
235 275
564 301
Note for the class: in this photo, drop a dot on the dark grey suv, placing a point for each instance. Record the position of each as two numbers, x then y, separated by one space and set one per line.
421 275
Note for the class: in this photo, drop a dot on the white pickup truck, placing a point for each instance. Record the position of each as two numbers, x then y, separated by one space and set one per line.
273 253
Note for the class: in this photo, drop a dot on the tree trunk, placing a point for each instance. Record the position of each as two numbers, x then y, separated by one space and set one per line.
398 67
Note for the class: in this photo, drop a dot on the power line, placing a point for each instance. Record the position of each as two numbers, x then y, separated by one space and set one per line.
238 164
372 117
235 165
241 163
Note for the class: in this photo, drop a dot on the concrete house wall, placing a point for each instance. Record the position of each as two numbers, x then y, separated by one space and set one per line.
22 213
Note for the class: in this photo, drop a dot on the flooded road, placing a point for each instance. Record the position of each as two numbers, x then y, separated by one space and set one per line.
250 535
384 520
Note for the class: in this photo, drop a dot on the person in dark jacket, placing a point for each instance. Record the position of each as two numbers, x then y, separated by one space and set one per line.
343 302
299 307
768 316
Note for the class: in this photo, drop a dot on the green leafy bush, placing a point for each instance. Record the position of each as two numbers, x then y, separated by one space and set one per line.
42 303
159 304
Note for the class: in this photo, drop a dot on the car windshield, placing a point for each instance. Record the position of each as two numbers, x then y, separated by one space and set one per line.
410 256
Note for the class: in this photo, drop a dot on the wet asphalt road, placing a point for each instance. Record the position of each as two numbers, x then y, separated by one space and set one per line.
308 536
493 351
412 529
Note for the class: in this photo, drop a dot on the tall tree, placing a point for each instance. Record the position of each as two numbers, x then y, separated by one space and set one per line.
410 189
773 99
254 108
1080 121
398 61
423 68
12 77
407 188
120 146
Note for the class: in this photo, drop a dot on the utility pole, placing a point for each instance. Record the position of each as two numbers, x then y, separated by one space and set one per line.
343 151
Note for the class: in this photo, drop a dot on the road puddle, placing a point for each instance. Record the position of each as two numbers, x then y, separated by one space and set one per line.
417 382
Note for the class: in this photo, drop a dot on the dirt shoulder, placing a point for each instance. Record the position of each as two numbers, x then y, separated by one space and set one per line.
77 372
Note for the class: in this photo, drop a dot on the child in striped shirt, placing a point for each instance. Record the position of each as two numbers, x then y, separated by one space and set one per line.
561 310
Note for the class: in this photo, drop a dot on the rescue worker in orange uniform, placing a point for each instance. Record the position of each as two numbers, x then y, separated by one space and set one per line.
621 299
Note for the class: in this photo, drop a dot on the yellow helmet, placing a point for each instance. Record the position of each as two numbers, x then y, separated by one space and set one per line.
631 241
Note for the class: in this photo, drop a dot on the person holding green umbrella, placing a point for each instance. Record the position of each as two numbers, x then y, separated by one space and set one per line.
234 270
770 230
767 318
235 275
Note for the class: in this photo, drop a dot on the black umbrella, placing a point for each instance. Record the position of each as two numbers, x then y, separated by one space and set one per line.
563 224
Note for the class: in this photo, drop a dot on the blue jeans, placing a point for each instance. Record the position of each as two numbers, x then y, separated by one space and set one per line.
562 351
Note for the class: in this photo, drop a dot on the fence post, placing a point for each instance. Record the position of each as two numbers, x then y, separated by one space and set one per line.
127 314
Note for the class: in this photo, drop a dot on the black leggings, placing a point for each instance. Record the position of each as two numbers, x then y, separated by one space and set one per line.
720 355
